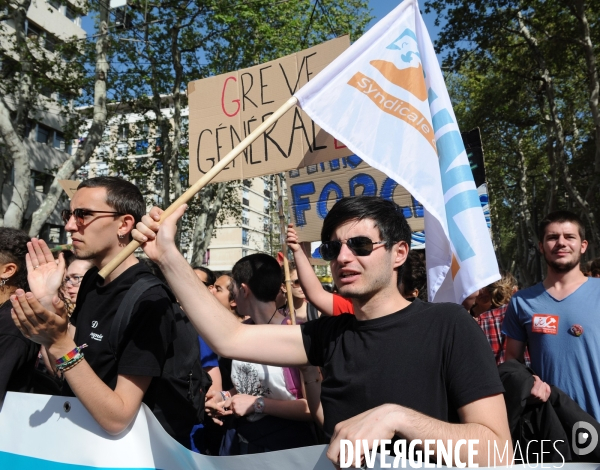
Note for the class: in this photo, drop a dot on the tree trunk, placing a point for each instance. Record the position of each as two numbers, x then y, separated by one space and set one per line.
210 201
13 132
21 186
74 162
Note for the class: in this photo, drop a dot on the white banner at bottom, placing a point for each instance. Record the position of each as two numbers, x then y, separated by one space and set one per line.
41 432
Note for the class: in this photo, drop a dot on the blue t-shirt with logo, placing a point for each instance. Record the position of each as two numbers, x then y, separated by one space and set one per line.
558 355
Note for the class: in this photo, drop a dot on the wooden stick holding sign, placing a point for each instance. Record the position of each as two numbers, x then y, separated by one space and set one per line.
203 181
284 249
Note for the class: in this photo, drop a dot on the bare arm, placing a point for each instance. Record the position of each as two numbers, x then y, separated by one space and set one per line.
311 286
215 375
484 420
280 345
113 410
515 349
311 376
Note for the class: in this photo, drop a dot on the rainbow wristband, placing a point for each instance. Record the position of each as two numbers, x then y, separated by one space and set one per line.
70 355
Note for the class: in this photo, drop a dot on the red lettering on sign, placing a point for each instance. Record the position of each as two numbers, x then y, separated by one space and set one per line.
233 101
338 145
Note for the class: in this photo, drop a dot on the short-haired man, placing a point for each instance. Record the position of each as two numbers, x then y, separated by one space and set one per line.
395 368
559 318
110 385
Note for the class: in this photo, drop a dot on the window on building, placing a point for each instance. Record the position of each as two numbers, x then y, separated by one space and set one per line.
71 13
145 129
141 147
44 134
266 207
245 197
34 32
244 252
245 216
123 132
50 42
54 3
40 182
158 145
59 141
245 237
122 150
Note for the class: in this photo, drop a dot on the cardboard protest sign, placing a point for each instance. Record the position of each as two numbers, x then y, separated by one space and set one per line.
69 186
313 190
226 108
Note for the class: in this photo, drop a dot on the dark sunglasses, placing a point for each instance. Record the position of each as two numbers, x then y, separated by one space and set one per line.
360 246
80 215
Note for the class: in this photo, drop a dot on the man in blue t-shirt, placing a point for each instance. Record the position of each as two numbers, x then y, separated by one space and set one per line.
559 318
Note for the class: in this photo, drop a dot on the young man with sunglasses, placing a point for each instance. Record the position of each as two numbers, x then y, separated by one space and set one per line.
395 369
110 384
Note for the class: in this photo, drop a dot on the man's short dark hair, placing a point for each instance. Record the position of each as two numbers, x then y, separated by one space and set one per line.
387 215
561 217
13 248
121 195
210 276
261 273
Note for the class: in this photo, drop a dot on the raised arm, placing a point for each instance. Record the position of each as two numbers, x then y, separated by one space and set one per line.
311 286
263 344
113 410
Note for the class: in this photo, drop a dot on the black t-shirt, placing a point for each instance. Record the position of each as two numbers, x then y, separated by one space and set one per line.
17 355
432 358
146 339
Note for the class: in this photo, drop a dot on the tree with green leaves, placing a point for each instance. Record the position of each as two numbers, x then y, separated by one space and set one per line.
524 72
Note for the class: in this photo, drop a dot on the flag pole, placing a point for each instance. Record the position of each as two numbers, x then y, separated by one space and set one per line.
203 181
284 249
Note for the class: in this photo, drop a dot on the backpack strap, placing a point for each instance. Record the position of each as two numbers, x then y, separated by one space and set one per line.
123 315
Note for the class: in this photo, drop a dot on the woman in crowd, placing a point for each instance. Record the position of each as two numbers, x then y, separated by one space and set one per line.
76 269
303 309
18 355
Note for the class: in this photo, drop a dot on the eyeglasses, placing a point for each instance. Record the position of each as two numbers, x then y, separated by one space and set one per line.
295 282
74 280
360 246
81 214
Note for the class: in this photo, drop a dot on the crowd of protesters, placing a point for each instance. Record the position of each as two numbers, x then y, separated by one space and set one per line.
373 359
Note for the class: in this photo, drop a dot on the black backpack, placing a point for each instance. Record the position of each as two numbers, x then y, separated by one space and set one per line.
179 394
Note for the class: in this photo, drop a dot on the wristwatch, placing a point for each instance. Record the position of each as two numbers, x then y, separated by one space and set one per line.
259 405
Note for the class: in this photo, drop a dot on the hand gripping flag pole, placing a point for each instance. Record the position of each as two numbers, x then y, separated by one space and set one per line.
203 181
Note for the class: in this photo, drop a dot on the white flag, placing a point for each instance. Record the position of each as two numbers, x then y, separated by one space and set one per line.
385 98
